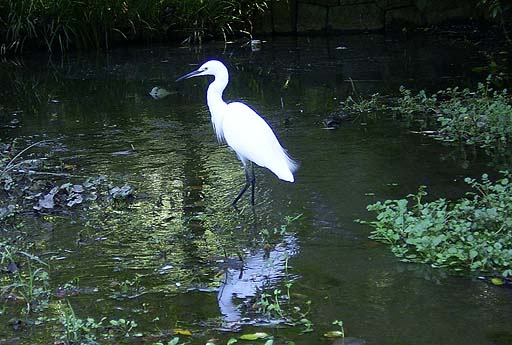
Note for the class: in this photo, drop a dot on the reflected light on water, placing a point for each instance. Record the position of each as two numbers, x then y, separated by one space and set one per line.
261 269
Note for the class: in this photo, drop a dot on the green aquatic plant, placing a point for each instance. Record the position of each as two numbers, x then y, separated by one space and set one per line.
122 327
62 24
367 108
26 279
358 107
198 19
270 305
473 233
482 117
414 108
276 304
338 333
498 10
276 234
89 331
74 329
307 325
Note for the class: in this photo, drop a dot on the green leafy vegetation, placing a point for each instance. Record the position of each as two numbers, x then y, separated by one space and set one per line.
470 234
63 24
497 9
24 279
200 19
271 237
60 24
482 117
357 107
366 108
413 108
338 333
281 305
473 233
76 330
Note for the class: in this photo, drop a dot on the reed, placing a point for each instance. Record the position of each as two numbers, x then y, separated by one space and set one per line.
59 25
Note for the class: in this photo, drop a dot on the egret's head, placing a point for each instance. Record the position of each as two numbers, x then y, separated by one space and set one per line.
212 67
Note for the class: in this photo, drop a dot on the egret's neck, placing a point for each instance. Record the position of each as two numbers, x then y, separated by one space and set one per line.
216 104
215 90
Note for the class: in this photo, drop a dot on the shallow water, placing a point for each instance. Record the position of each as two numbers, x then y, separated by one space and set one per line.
170 241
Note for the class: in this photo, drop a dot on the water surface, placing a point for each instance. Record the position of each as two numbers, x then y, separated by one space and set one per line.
173 239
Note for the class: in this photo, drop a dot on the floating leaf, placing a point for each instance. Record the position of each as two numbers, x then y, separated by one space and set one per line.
75 199
94 181
121 192
66 186
182 331
77 188
6 211
174 341
333 334
7 181
231 341
91 197
497 281
47 201
254 336
69 167
159 92
123 153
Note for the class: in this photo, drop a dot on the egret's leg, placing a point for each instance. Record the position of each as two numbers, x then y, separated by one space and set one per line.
253 183
248 182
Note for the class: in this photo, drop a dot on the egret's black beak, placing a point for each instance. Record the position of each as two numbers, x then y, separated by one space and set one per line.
189 75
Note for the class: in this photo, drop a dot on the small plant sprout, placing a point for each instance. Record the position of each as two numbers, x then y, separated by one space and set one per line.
338 333
76 330
123 327
340 324
308 325
32 284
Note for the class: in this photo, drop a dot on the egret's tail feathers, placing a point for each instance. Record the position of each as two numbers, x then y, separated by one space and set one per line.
286 170
286 176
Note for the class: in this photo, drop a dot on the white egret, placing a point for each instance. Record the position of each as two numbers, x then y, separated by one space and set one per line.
246 132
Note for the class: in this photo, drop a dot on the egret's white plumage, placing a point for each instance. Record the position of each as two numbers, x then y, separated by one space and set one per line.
243 129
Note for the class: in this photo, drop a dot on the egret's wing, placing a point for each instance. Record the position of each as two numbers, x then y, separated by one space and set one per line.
253 139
